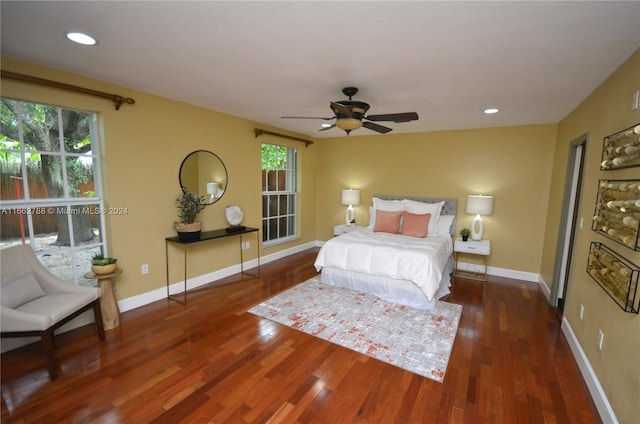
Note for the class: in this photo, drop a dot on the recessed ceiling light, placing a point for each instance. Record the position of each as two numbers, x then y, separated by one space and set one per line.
81 38
491 110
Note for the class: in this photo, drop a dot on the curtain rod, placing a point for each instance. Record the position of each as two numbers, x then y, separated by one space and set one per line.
117 100
260 132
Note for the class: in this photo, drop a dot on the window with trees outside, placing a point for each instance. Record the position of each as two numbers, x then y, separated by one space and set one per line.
278 193
51 195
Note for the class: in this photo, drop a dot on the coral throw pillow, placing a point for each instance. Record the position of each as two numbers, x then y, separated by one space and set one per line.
387 222
415 225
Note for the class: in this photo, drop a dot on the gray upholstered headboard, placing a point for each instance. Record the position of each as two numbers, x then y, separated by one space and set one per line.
450 205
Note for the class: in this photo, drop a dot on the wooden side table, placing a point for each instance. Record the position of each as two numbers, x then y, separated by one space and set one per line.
108 302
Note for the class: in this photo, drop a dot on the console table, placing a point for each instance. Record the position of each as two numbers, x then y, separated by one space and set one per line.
207 236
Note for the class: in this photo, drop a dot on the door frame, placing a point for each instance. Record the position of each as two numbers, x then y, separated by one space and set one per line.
569 220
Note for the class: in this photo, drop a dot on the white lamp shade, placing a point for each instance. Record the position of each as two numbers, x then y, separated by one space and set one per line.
479 204
212 188
351 197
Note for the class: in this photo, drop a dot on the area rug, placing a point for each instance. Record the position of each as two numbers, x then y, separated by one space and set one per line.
413 339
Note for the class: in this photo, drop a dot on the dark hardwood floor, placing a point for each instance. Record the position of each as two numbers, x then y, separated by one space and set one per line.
210 361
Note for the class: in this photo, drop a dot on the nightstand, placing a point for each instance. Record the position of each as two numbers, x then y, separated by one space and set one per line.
339 230
471 247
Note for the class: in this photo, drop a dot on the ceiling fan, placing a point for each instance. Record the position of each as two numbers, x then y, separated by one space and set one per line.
350 115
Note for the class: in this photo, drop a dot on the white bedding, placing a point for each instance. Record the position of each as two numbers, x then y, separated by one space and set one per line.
419 260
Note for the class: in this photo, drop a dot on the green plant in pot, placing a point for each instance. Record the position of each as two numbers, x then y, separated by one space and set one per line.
103 265
190 205
465 233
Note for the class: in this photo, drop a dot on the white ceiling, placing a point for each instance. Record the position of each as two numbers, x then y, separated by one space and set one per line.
261 60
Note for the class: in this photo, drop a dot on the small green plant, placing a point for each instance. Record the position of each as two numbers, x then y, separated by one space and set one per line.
465 232
190 206
101 260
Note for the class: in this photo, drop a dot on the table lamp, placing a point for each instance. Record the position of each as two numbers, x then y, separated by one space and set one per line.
212 191
479 205
350 197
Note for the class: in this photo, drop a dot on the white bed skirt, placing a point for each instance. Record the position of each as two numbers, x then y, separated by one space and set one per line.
397 291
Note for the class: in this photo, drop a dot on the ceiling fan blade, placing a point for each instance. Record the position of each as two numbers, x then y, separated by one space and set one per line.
395 117
375 127
327 128
306 117
341 110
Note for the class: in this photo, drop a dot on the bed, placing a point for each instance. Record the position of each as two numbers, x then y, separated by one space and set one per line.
411 265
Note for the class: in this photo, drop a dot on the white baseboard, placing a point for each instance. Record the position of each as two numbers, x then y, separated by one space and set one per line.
500 272
161 293
597 393
508 273
545 290
515 274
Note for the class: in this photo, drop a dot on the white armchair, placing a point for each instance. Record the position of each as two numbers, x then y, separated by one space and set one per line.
34 302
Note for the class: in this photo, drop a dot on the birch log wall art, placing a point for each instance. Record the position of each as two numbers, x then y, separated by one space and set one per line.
617 276
617 217
622 149
617 211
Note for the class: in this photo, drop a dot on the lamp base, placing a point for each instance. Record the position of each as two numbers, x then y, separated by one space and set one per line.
477 228
349 216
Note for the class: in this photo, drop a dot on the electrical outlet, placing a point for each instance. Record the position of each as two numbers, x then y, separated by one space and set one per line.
636 100
145 269
245 245
581 312
509 254
600 339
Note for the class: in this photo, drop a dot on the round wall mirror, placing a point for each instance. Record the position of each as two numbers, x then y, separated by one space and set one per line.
204 174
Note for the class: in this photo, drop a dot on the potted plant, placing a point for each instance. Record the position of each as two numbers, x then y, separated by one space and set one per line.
190 206
465 233
102 265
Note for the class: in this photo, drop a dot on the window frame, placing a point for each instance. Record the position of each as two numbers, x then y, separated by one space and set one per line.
290 216
67 205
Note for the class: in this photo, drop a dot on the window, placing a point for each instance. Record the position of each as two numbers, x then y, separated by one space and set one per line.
279 194
50 191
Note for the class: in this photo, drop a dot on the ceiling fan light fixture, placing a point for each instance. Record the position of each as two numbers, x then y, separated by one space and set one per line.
348 124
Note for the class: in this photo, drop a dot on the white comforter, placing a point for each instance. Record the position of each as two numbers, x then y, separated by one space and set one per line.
420 260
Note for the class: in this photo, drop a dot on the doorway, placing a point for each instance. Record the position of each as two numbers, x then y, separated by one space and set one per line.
568 222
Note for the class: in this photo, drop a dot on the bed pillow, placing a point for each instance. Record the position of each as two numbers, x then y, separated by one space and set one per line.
444 224
388 222
420 208
415 225
383 205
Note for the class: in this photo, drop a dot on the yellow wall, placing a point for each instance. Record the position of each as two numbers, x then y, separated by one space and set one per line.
606 111
513 164
144 145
